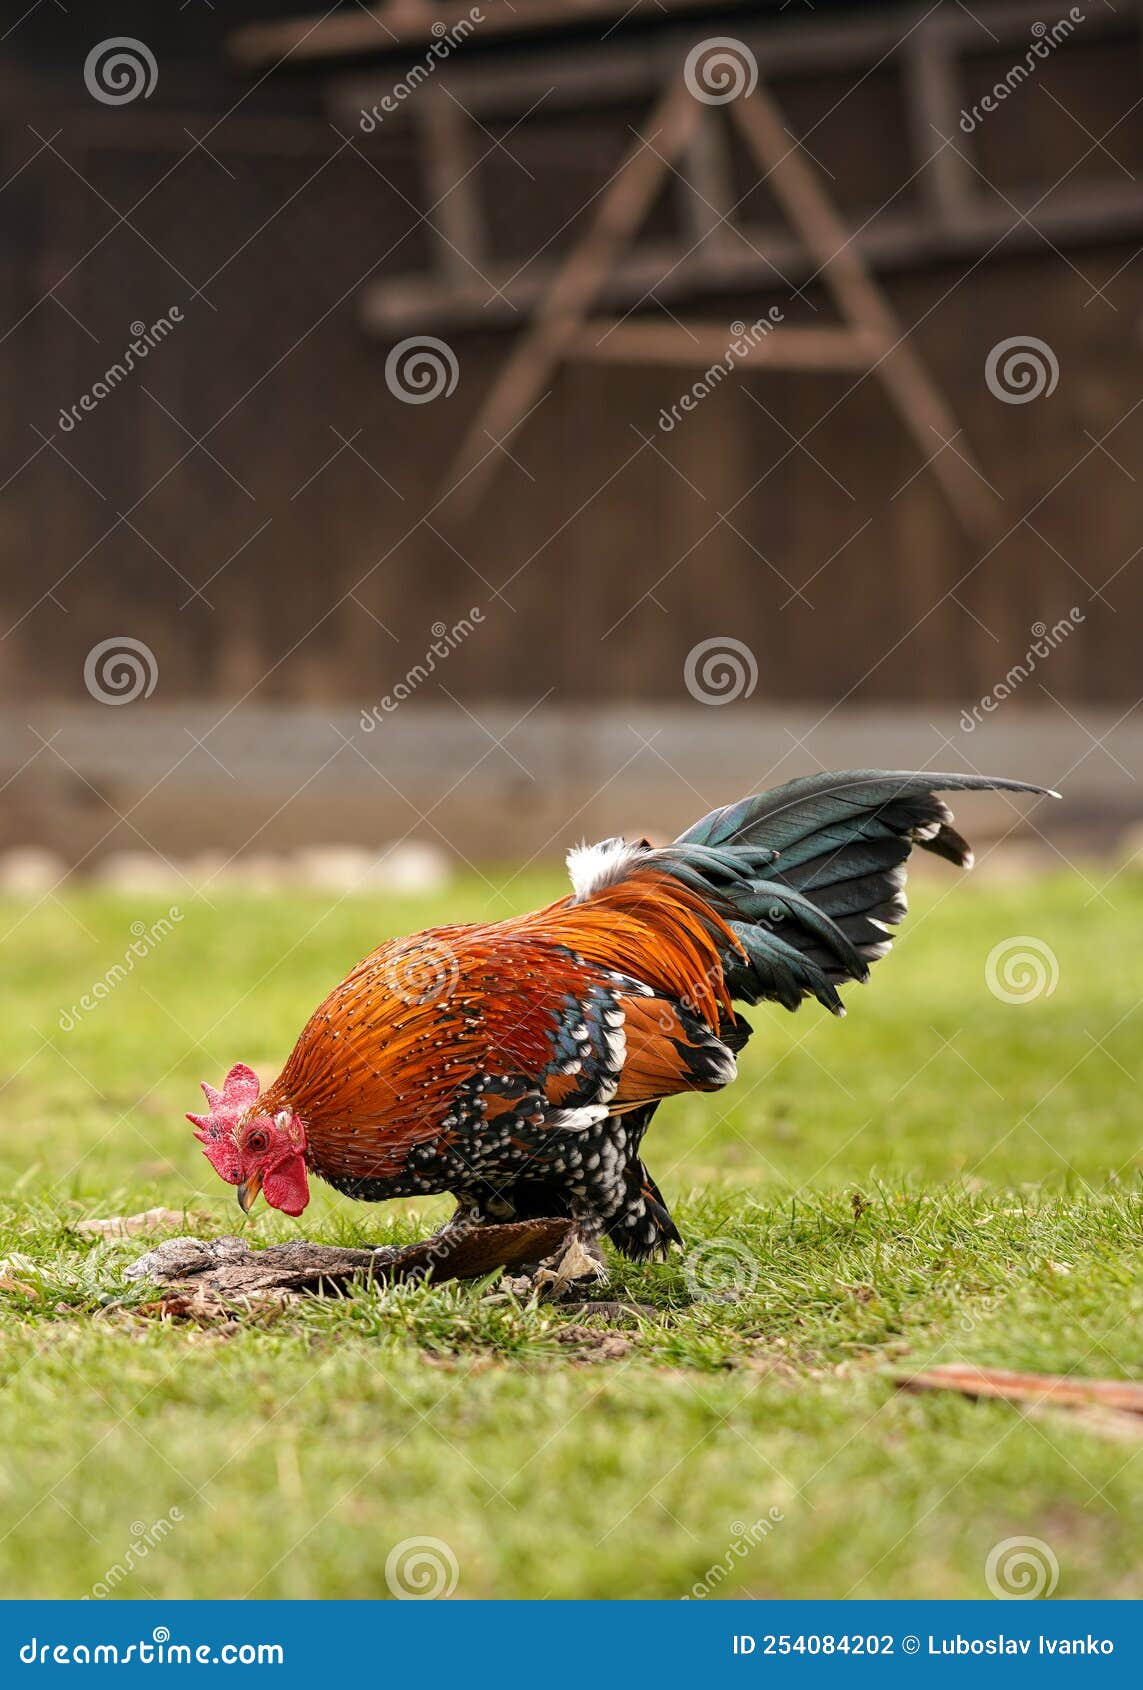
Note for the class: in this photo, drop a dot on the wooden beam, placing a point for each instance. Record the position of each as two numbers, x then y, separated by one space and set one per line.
932 91
824 45
505 88
704 184
703 345
455 218
561 313
894 241
384 28
795 184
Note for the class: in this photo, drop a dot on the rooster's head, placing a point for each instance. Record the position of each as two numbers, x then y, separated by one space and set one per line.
252 1149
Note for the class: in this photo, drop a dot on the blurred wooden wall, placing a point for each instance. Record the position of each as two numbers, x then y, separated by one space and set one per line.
221 468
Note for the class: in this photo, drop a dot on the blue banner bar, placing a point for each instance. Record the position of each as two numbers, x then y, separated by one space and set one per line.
501 1643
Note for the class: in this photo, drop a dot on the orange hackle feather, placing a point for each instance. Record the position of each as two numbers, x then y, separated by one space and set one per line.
653 928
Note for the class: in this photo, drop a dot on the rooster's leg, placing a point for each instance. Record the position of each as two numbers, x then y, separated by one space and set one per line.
467 1214
588 1235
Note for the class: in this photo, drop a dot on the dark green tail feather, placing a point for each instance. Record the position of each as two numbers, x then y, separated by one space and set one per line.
810 875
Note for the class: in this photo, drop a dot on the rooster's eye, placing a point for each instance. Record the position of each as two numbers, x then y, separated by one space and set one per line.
258 1140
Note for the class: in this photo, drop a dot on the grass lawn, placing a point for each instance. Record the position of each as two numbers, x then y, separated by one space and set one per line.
942 1176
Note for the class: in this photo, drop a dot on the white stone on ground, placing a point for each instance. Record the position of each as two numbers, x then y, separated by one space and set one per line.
30 872
413 866
139 871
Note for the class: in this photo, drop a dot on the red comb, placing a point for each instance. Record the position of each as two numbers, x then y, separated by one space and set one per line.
240 1088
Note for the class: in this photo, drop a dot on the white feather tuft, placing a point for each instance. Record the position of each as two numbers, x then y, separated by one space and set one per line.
592 867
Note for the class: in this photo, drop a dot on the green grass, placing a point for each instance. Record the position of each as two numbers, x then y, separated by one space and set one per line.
942 1176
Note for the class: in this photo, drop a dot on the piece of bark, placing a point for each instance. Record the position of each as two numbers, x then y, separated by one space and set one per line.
1049 1389
228 1267
19 1287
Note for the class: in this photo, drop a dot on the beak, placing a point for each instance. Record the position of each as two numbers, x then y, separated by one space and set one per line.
248 1191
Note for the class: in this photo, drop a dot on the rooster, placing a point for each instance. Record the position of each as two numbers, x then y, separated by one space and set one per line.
517 1064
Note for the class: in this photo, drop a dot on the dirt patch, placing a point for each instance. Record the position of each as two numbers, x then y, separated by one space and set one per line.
590 1343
